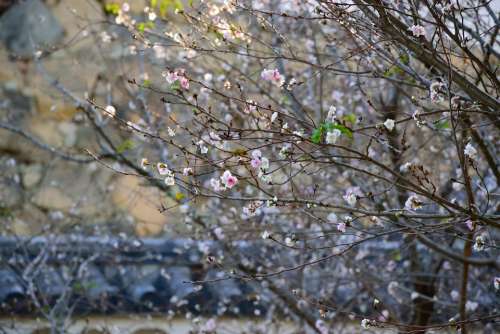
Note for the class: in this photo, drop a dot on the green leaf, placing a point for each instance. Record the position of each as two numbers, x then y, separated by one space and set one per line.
175 85
404 58
317 134
444 124
141 26
351 118
345 130
125 146
112 8
166 4
179 196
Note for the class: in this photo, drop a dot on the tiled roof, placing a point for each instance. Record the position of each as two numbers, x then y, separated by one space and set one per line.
117 275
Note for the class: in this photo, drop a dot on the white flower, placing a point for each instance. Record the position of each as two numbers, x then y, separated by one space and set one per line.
256 154
215 184
162 168
341 227
214 136
413 203
144 163
389 124
414 295
274 116
332 136
405 167
479 243
470 151
265 235
289 242
264 165
351 195
187 171
436 89
171 132
285 150
170 180
332 114
110 111
496 283
366 323
471 306
417 30
203 148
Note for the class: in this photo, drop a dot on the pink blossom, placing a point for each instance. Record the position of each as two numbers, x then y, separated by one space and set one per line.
177 76
228 179
256 163
470 224
417 30
272 75
184 82
171 77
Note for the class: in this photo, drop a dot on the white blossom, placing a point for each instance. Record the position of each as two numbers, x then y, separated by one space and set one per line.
389 124
366 323
413 203
479 243
470 151
110 111
332 136
417 30
274 116
162 168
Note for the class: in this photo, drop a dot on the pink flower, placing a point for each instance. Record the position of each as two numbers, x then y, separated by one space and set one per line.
351 195
184 82
417 30
272 75
209 326
470 224
171 77
256 163
177 76
228 179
